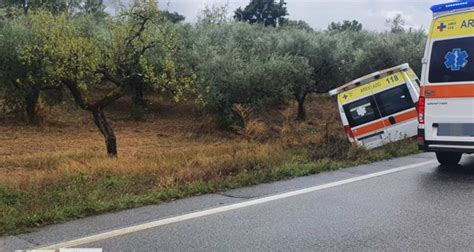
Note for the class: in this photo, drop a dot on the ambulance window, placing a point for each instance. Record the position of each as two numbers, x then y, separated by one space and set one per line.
394 100
452 60
361 111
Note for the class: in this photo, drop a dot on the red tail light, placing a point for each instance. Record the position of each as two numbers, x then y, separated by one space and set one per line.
421 110
348 131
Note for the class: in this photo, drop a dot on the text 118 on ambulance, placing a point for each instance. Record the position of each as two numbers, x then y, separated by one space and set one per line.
379 108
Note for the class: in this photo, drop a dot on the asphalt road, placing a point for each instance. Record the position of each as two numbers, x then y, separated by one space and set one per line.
409 204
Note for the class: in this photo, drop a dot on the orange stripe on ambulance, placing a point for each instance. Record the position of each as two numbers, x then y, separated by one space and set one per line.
380 107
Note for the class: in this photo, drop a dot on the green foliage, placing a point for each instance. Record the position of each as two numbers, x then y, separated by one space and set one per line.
97 61
300 25
143 49
12 37
235 52
63 50
326 55
346 25
95 8
71 7
383 50
396 24
34 58
173 17
266 12
242 67
214 14
45 48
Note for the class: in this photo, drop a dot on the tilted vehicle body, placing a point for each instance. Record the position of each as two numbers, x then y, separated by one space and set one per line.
380 107
446 104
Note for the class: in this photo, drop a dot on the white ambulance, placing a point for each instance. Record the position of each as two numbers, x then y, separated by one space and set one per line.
446 104
380 107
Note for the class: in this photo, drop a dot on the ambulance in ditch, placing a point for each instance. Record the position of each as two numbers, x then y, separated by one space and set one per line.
446 104
380 107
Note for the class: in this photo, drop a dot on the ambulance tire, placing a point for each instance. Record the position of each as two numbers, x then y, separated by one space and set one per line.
448 158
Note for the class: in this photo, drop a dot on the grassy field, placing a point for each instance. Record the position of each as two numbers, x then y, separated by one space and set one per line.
58 170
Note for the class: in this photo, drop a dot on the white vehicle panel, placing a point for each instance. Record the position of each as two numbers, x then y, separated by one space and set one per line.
448 111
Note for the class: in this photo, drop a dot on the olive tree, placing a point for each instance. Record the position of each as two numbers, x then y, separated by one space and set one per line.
21 72
237 64
384 50
326 55
266 12
71 7
345 25
99 67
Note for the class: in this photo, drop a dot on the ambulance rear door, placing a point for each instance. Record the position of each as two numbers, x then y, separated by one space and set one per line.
397 107
363 116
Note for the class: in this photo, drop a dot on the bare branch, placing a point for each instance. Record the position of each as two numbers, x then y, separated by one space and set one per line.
76 93
111 97
107 76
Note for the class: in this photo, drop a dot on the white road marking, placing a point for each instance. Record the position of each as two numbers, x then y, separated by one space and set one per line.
176 219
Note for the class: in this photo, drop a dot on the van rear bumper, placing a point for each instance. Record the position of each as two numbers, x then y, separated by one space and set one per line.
445 146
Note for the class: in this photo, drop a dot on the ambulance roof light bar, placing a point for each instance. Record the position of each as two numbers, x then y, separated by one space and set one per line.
452 6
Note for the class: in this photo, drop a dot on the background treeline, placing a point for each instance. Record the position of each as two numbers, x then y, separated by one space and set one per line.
74 52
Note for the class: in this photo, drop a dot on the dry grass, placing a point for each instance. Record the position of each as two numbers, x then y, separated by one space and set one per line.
170 132
59 170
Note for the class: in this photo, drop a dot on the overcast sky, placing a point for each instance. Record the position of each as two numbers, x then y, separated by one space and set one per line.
319 13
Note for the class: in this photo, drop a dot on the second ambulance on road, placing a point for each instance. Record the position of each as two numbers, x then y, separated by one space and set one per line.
446 105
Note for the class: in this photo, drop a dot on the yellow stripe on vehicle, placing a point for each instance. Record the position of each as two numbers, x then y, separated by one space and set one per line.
371 87
456 25
411 74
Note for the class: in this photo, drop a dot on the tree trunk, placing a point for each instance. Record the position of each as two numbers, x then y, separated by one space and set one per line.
138 106
106 130
138 98
31 100
96 109
300 98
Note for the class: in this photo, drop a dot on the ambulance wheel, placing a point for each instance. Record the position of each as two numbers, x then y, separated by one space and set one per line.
448 158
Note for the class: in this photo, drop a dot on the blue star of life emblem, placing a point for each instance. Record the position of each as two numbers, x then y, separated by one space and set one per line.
456 59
